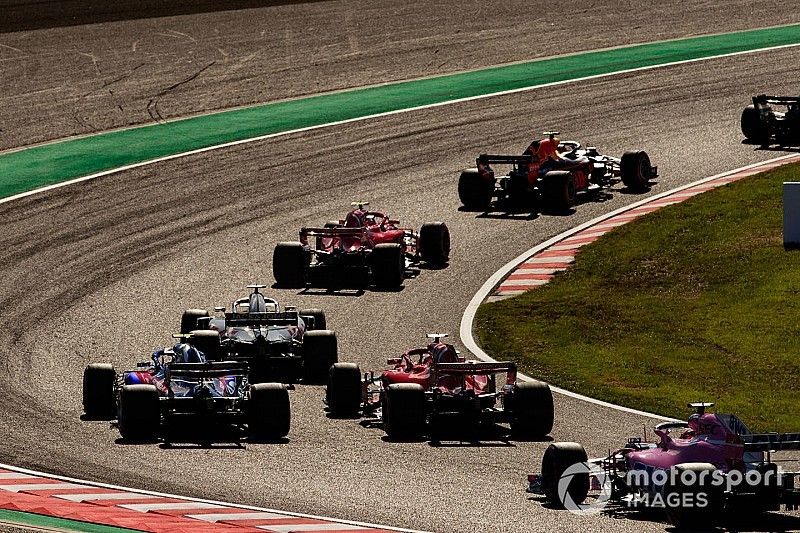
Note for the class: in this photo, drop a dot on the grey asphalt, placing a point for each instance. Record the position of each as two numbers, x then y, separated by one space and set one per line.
101 271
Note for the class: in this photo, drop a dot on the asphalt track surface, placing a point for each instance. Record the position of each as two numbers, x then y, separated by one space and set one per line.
101 271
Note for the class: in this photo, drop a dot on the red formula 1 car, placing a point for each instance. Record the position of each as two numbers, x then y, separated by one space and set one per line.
366 245
698 471
426 387
551 185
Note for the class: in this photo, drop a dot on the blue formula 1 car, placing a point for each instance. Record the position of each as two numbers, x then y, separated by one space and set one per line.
179 385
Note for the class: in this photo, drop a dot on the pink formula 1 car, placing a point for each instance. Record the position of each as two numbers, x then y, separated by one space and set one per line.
424 387
698 471
366 245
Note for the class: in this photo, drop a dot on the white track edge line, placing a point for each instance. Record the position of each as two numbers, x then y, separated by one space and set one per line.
202 500
495 279
365 117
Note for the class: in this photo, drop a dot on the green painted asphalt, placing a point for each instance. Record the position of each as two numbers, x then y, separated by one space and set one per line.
72 158
55 524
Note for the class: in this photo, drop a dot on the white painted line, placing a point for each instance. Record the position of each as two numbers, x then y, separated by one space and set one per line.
370 117
90 496
495 279
539 271
39 486
292 528
174 506
556 259
230 517
573 246
16 475
287 514
523 282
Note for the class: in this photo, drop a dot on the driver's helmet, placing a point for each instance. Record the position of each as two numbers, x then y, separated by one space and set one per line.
443 353
186 353
356 218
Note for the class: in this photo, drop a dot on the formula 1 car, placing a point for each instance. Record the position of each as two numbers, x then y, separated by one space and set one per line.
366 245
426 387
713 465
763 125
550 186
179 385
277 344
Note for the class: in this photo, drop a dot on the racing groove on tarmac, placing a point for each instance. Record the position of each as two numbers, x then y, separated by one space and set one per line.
103 270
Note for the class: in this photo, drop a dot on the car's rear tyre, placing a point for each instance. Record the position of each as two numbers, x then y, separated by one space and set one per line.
189 319
558 190
320 353
139 413
682 492
753 128
99 401
532 412
558 457
343 394
289 264
404 411
434 243
318 320
388 265
269 412
207 341
635 169
475 191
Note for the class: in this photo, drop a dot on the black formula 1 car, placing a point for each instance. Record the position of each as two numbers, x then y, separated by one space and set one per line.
763 125
365 247
277 344
551 186
431 388
180 392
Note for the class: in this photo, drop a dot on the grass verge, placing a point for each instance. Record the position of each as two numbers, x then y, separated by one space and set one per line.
697 301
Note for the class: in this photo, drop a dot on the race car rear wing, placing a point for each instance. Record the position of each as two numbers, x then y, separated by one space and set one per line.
771 442
489 159
474 368
211 369
286 318
763 99
332 232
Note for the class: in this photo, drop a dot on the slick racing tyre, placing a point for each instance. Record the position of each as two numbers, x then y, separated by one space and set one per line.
139 413
343 394
404 411
189 319
558 190
636 170
532 411
558 457
318 320
474 191
99 401
320 353
753 128
434 243
268 412
388 265
289 264
681 498
207 341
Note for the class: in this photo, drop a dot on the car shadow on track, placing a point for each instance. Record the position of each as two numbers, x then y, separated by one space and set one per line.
772 147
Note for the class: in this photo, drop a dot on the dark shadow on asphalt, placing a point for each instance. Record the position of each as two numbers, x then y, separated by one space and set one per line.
24 15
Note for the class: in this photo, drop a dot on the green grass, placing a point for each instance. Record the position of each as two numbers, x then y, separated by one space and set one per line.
698 301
